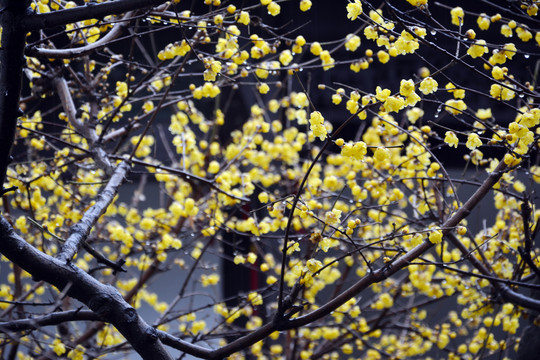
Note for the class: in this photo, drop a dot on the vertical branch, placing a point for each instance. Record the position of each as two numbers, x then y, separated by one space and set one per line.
12 40
89 133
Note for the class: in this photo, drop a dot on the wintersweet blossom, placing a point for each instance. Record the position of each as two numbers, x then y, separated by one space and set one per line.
305 5
316 122
451 139
457 16
428 85
478 49
483 21
355 150
501 92
352 42
455 107
473 141
435 236
354 9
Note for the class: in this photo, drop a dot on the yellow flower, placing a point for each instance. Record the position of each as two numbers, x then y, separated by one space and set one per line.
506 30
355 150
414 114
509 50
244 18
352 42
383 56
58 347
354 9
498 73
428 85
313 265
333 217
455 107
501 92
285 57
305 5
148 106
121 89
406 87
316 48
458 93
478 49
484 114
435 237
213 167
239 259
457 16
394 103
523 34
473 141
382 94
451 139
381 154
483 21
273 8
316 122
263 88
417 2
255 298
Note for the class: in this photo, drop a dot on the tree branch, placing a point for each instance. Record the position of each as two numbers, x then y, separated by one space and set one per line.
83 50
88 11
80 231
104 300
89 133
48 320
390 269
11 64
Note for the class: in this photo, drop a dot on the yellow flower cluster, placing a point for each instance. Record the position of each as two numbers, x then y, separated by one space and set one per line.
316 123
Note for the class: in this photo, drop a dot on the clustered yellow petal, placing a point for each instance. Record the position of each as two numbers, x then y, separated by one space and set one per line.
354 9
316 122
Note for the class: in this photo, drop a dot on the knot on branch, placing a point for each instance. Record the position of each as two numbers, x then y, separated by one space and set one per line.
101 304
130 315
152 333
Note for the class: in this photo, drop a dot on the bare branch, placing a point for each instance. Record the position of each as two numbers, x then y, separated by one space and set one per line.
89 133
71 53
48 320
80 231
89 11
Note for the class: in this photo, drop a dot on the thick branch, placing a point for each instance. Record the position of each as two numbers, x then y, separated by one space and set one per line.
104 300
11 64
88 11
81 230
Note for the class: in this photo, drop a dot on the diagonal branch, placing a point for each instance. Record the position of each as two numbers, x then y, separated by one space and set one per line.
88 11
386 271
104 300
81 230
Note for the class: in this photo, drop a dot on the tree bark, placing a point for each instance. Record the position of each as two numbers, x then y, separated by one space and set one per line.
102 299
12 41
